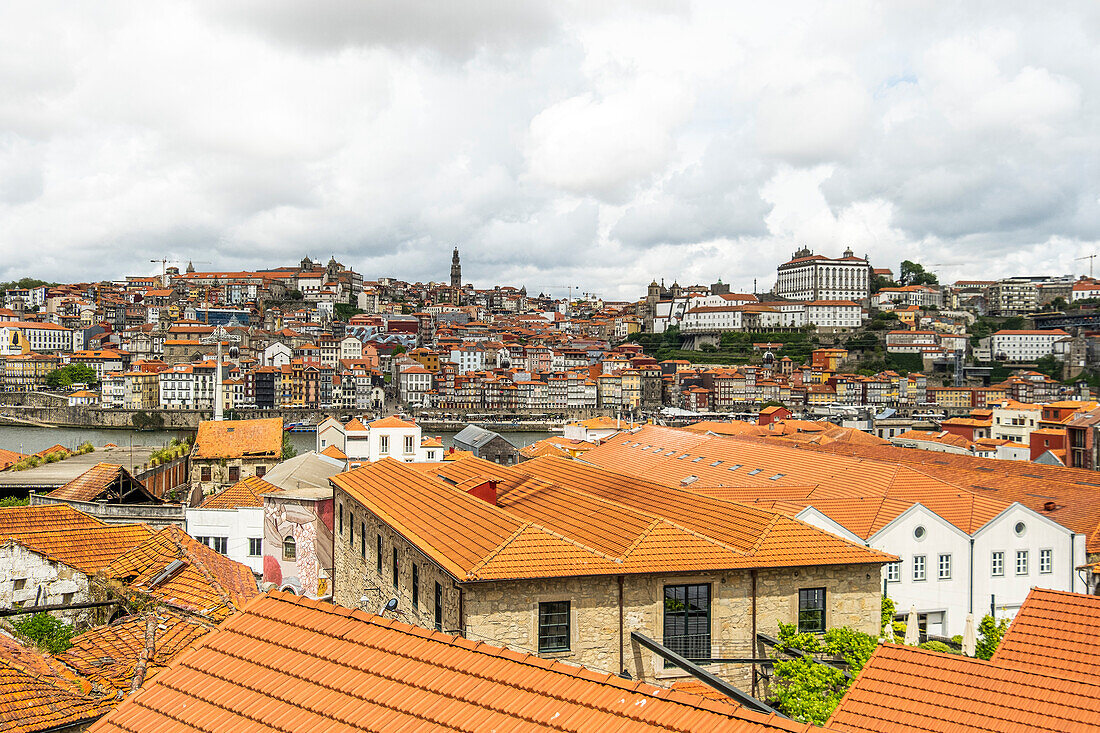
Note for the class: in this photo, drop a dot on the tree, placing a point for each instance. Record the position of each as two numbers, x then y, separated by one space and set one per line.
989 636
47 632
878 282
808 690
913 273
289 451
71 374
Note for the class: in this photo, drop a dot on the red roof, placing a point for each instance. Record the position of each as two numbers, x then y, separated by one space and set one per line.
1054 632
288 663
903 689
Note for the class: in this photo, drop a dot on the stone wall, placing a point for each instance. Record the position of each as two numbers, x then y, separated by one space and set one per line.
505 613
356 573
58 582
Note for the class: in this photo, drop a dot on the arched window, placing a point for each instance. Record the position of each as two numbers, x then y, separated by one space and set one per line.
290 551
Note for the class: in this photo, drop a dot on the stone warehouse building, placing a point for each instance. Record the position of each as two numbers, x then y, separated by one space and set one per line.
227 451
565 560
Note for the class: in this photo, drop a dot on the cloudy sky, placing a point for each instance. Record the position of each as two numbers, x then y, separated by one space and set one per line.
594 144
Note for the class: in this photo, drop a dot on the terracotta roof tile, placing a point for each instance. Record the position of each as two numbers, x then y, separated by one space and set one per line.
392 422
287 663
247 492
108 655
907 689
37 695
1056 633
74 538
104 481
204 582
239 438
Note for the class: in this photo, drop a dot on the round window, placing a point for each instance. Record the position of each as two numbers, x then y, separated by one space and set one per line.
919 533
1020 528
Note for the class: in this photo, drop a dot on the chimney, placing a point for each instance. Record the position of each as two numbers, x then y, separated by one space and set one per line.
1049 506
486 491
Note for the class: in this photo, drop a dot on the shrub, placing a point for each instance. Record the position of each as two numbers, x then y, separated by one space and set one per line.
937 646
47 632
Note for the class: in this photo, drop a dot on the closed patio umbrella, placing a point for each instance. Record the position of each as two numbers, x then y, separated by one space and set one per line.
970 636
912 628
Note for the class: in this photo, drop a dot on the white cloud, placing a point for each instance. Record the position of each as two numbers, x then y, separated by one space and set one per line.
600 145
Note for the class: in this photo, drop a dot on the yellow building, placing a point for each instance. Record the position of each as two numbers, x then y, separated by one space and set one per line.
25 372
141 390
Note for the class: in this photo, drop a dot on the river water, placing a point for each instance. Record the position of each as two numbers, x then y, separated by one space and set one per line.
32 440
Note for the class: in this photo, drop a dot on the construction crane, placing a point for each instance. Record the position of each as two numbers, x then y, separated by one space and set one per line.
569 298
1090 258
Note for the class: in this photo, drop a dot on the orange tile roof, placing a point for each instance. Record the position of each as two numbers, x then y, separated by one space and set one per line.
247 492
333 452
968 498
1074 492
239 438
355 425
66 535
36 696
1055 633
392 422
906 689
288 663
104 481
108 655
9 458
666 528
206 583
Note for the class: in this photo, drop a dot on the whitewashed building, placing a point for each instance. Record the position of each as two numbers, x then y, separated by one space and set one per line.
389 437
807 276
946 571
1025 346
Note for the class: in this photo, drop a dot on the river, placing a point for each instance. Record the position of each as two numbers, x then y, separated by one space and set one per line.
32 440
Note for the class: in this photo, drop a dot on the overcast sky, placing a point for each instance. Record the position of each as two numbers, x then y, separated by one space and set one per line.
599 145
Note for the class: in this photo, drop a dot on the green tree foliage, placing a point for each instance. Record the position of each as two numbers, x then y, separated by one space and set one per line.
83 448
47 632
878 282
913 273
344 311
808 690
289 451
888 611
69 375
26 282
990 633
937 646
8 501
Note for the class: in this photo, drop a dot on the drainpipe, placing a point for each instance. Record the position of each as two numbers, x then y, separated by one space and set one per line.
622 661
752 573
1072 564
461 610
970 593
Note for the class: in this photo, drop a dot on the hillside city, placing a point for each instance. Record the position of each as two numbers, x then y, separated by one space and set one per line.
834 337
790 510
549 366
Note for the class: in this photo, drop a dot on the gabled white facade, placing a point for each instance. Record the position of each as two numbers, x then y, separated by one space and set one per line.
944 573
366 443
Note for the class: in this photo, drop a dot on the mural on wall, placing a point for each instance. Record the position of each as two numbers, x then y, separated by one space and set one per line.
298 545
